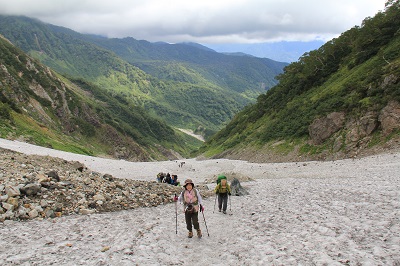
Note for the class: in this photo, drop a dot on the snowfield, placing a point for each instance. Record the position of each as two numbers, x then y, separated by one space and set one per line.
344 212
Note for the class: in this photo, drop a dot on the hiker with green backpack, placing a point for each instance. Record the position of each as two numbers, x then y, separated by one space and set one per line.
222 190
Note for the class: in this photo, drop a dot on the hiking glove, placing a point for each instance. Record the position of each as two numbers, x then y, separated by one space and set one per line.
201 208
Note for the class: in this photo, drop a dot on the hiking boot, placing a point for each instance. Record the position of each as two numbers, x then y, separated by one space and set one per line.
219 210
199 233
224 212
190 235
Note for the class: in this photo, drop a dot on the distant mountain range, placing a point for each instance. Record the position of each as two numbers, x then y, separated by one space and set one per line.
341 100
127 98
279 51
120 97
188 86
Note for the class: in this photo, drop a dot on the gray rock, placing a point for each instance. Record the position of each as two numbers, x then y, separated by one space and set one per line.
86 211
31 189
108 177
12 191
44 203
322 128
50 214
7 206
79 166
39 208
3 198
99 197
237 189
9 214
390 117
53 175
66 184
22 213
33 214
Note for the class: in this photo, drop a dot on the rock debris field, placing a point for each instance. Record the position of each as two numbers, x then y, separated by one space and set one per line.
68 209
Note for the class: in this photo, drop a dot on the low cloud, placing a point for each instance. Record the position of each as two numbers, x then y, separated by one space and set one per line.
205 21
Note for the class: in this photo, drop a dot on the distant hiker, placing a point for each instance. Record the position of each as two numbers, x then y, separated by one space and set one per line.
222 190
168 179
174 180
160 177
192 203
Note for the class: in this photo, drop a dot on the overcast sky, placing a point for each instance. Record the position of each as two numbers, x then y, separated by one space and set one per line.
202 21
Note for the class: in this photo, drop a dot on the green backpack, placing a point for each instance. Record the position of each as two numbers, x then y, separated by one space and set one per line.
220 177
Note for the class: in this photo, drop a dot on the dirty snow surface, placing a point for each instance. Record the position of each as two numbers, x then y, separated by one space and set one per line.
342 212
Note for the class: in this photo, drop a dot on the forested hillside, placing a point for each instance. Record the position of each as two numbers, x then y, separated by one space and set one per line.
179 62
187 86
41 107
338 101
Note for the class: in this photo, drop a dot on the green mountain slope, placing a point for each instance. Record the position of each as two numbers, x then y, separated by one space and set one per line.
188 87
44 108
238 73
338 101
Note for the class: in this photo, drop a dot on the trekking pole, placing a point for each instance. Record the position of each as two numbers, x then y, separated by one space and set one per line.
176 214
230 204
215 203
205 223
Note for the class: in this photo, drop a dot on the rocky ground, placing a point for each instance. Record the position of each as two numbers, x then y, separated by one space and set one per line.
342 212
36 187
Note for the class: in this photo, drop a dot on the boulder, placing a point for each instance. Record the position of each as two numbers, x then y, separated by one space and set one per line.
30 189
237 189
390 117
324 127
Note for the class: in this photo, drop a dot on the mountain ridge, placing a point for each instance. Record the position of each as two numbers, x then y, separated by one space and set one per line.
339 101
175 82
40 106
285 51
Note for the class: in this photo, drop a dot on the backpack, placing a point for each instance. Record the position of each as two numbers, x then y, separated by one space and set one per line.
221 177
223 188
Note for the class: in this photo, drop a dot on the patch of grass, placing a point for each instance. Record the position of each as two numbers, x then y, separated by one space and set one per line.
395 132
284 147
375 140
307 149
68 147
215 150
45 137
